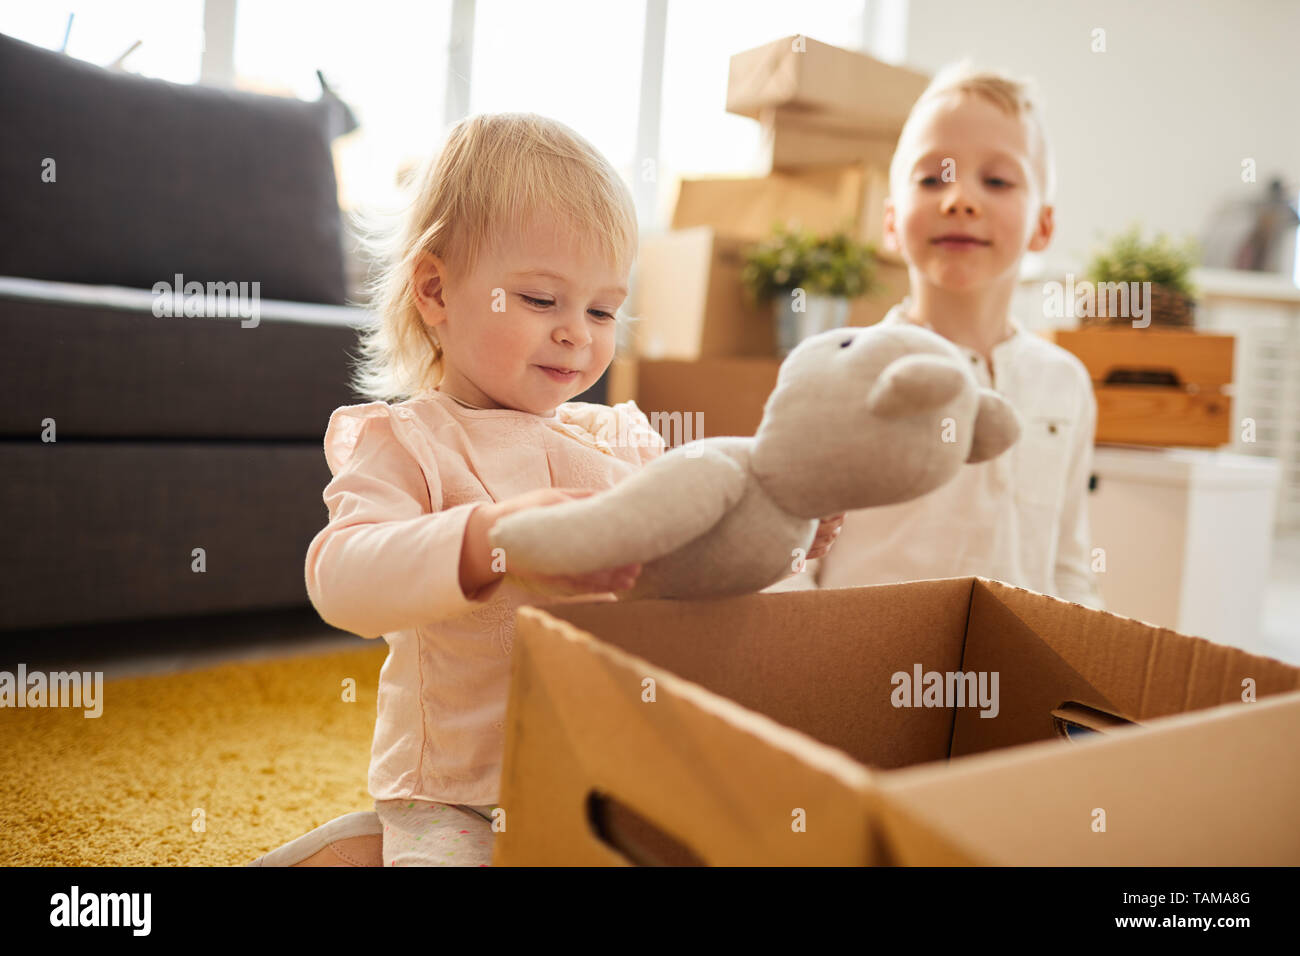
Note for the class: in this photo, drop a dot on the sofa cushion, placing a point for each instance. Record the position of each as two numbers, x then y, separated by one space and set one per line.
152 179
100 363
106 531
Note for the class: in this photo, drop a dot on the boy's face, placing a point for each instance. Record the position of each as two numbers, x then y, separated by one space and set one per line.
503 322
969 170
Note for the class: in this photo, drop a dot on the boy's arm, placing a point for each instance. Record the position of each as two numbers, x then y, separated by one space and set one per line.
384 563
1074 576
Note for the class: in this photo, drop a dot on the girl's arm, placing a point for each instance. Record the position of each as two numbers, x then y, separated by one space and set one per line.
390 557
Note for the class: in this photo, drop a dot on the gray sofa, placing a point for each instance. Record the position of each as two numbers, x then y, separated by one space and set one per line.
173 433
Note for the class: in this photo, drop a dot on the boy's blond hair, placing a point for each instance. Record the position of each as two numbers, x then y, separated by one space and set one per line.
1015 97
495 172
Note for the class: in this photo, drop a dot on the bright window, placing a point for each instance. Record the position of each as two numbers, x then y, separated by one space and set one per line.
170 31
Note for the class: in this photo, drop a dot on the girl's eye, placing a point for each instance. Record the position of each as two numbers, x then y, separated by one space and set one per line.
929 179
998 180
546 304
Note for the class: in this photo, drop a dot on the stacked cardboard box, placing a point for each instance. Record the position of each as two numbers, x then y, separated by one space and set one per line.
830 119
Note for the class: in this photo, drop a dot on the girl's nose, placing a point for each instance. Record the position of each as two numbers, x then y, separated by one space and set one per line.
572 330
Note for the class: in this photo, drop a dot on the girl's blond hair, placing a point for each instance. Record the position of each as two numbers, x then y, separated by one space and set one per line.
494 173
1015 97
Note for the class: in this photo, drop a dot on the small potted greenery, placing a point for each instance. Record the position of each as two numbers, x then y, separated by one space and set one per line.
1165 264
809 279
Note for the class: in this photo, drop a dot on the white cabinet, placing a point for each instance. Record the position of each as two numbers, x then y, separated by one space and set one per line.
1187 536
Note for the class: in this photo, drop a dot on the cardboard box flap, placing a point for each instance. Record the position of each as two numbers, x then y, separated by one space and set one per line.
699 774
1045 656
804 658
1218 787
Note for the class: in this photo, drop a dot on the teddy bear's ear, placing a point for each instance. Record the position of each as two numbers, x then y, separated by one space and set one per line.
997 427
915 383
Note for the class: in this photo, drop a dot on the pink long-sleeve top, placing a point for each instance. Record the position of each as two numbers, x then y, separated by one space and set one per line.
405 479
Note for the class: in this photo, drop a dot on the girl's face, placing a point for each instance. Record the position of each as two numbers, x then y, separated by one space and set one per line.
970 171
537 301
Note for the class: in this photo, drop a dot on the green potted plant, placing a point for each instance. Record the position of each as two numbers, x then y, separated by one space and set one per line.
809 279
1165 264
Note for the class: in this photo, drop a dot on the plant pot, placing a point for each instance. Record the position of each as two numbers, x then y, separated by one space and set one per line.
820 312
1167 308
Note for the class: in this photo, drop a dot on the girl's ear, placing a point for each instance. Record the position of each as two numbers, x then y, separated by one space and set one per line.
428 282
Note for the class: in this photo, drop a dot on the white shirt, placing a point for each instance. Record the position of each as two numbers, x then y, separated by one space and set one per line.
1021 517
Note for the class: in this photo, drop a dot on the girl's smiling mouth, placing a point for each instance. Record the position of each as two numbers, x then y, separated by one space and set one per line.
559 375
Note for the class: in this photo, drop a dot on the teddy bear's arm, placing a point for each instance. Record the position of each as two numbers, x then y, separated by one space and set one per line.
671 501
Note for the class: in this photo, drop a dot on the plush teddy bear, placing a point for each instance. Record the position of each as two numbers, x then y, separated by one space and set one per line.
859 417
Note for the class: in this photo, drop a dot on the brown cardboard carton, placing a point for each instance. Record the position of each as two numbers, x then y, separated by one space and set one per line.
818 78
726 391
718 396
891 287
691 302
793 140
824 200
773 729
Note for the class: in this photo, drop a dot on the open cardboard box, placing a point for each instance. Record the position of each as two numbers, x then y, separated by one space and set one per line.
763 730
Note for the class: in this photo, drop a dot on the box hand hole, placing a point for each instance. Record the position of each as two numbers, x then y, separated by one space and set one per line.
635 837
1074 720
1158 377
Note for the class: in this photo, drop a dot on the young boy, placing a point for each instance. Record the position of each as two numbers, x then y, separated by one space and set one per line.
971 186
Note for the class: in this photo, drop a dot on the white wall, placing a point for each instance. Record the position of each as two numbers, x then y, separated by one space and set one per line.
1156 127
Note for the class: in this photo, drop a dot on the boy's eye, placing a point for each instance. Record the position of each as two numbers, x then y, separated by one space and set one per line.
996 179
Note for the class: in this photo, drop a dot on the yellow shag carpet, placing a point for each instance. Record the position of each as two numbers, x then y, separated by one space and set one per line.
205 768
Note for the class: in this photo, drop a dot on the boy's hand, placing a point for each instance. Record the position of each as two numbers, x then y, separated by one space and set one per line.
827 531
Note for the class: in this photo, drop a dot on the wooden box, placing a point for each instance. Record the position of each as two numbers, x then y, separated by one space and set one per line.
1157 386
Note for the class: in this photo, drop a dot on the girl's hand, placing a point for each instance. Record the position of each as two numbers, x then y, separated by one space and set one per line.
594 582
828 529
